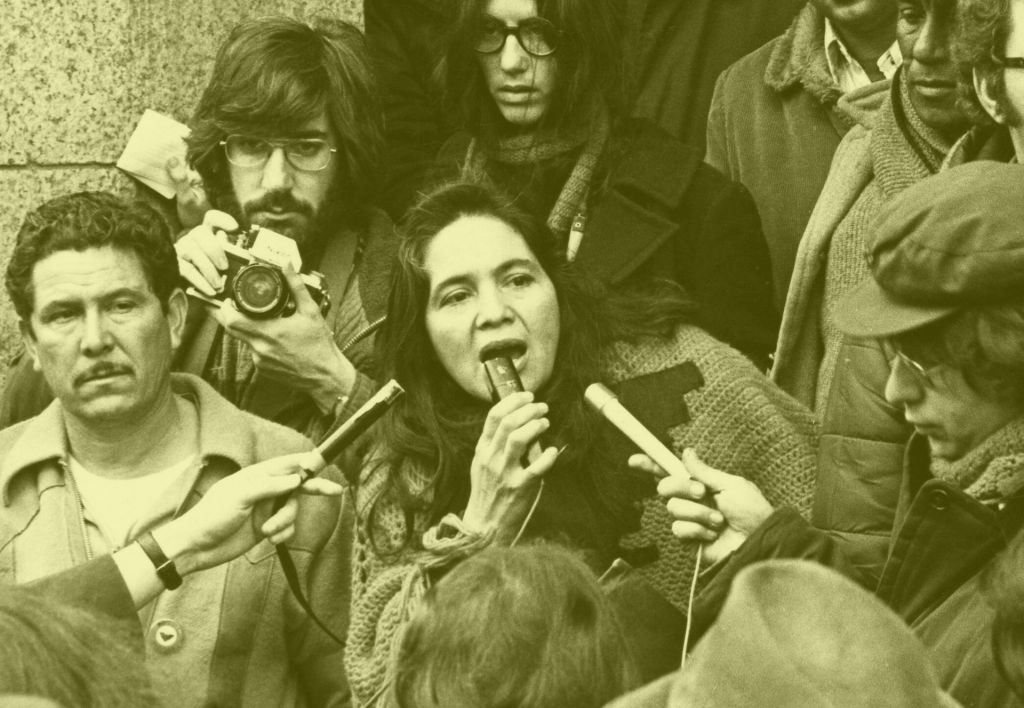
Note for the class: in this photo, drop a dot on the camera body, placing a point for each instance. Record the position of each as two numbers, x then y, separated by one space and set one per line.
256 283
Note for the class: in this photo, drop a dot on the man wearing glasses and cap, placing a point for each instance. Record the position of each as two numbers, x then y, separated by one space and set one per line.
947 301
287 137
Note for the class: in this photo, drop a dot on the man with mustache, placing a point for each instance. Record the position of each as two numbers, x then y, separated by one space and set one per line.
286 136
128 448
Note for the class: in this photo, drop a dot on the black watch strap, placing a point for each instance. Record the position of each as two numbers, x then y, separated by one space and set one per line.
165 569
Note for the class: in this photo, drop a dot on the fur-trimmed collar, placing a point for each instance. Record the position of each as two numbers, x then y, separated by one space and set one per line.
798 59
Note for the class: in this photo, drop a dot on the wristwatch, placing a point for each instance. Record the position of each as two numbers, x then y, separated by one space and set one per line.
165 569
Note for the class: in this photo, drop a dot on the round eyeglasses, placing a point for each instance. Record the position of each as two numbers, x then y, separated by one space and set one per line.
306 154
536 35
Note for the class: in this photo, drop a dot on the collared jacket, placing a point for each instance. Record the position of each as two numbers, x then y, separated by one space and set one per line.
944 541
776 119
232 635
358 304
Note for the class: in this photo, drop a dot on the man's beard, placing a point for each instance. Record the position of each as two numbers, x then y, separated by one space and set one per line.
320 225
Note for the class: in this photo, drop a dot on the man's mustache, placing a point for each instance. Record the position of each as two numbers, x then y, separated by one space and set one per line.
101 370
280 200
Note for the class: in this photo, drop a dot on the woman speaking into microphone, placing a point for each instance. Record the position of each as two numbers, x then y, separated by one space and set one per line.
455 467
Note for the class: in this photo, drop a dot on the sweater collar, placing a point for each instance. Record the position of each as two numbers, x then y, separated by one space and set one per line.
44 438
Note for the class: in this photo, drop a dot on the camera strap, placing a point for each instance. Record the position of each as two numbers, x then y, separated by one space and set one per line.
291 574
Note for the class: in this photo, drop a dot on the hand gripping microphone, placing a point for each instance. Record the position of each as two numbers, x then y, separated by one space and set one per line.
498 359
601 399
368 414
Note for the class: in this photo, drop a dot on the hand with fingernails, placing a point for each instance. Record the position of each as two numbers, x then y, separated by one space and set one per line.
738 505
502 488
298 350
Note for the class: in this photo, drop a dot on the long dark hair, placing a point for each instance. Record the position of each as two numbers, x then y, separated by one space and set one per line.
430 435
592 71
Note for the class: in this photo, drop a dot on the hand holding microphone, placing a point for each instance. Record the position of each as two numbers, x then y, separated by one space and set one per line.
499 363
707 505
509 463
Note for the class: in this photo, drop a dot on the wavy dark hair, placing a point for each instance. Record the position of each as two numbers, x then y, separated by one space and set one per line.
983 27
272 75
592 68
83 220
985 343
431 433
565 647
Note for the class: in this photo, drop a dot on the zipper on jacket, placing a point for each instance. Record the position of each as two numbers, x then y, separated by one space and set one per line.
81 508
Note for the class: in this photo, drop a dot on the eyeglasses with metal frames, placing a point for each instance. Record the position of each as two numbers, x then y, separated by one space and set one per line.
893 355
1009 62
306 154
536 36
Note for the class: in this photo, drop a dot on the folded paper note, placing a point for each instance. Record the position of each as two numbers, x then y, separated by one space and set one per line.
156 139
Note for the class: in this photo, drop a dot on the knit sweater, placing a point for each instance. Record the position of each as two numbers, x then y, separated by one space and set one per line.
737 422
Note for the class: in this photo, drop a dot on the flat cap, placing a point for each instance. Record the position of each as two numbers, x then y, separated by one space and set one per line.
951 241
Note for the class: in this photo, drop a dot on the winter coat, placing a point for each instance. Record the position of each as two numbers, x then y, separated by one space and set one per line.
776 119
840 377
662 213
943 543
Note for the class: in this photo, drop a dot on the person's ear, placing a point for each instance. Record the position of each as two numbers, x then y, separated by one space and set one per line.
28 338
986 97
177 312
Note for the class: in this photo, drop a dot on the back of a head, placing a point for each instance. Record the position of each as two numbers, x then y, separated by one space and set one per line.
85 220
794 634
273 75
514 627
67 655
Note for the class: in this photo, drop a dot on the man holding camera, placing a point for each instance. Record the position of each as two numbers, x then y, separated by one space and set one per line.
286 137
128 447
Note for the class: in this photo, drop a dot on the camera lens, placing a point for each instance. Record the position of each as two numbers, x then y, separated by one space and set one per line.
260 290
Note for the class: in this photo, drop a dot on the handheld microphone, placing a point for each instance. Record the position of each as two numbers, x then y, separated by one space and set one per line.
601 399
499 364
368 414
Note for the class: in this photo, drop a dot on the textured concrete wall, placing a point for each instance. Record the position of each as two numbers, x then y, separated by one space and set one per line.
79 73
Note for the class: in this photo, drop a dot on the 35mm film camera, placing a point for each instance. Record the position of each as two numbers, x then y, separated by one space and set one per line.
256 283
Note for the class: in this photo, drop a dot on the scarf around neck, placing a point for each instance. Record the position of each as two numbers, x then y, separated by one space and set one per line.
904 150
533 148
991 471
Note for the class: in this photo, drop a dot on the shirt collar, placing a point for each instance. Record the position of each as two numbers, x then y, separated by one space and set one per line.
223 432
846 71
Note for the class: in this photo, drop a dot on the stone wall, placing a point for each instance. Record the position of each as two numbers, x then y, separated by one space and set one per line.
79 73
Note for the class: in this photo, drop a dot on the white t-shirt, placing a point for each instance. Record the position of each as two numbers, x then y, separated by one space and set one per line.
117 505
